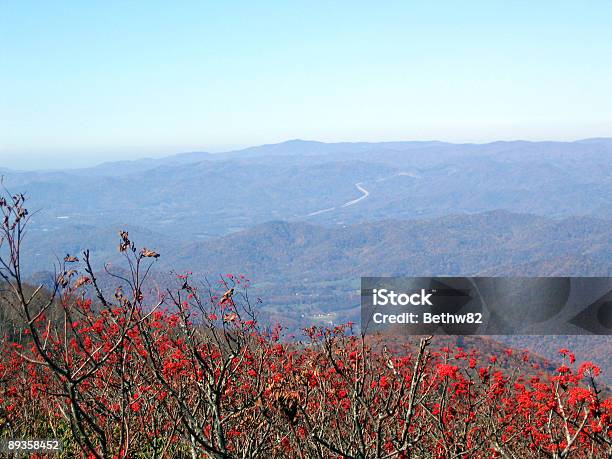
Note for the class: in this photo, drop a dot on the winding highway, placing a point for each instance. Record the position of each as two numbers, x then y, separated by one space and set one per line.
365 194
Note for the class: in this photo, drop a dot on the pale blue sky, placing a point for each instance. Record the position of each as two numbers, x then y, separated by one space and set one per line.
82 82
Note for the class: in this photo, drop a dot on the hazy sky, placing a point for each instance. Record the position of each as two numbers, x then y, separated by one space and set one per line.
82 82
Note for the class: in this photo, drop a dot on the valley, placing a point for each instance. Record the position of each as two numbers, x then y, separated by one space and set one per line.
305 220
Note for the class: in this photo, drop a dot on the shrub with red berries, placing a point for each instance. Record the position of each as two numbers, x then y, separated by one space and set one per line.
190 372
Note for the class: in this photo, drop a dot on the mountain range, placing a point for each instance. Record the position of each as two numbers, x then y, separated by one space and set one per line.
202 195
304 220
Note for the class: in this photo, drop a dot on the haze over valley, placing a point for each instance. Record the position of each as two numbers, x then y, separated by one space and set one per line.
304 220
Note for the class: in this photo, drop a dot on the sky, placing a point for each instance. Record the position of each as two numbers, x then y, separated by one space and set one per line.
85 82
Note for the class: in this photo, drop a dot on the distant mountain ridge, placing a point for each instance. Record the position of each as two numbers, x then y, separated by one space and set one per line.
202 195
299 147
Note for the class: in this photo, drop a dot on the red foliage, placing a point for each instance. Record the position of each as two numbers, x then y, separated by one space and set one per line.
188 373
337 394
